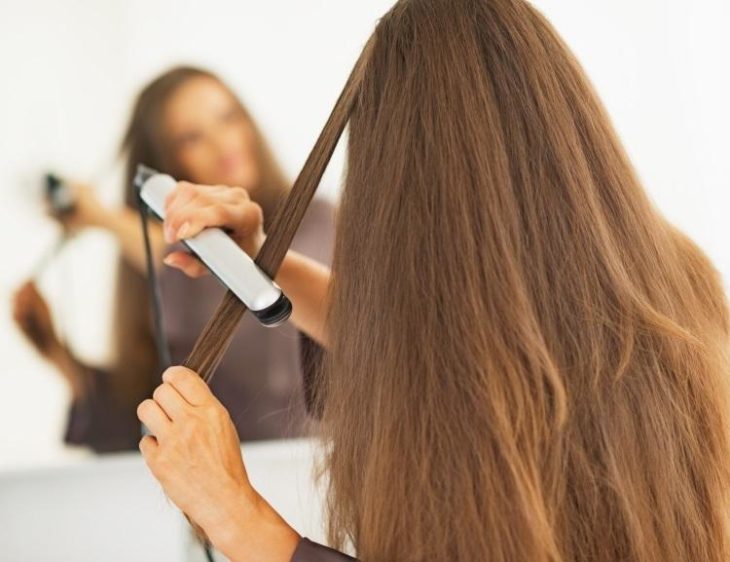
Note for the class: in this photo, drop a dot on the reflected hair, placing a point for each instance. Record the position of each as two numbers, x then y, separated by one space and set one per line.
527 362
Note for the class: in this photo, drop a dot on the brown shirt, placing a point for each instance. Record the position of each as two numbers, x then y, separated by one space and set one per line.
308 551
259 380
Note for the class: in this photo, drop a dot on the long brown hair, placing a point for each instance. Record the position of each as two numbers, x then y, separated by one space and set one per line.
145 142
527 362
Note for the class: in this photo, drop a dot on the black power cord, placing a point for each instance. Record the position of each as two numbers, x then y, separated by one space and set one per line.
163 348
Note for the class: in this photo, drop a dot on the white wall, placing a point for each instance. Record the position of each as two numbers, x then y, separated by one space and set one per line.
660 67
71 68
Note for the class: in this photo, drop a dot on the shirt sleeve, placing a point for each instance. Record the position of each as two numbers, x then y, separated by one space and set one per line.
308 551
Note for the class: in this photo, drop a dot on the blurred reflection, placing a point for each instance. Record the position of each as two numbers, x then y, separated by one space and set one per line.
188 123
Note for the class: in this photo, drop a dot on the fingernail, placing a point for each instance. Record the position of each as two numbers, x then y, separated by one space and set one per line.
170 260
183 231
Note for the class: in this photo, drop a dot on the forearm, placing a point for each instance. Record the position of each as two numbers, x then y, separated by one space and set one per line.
306 283
248 529
257 534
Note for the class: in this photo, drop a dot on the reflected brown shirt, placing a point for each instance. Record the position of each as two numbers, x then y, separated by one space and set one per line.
260 379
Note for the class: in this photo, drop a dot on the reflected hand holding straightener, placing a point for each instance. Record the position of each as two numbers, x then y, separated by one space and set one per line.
225 259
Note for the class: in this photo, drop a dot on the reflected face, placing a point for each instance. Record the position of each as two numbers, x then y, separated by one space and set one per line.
211 138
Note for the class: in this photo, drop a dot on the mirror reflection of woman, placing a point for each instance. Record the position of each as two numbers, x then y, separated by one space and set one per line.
188 123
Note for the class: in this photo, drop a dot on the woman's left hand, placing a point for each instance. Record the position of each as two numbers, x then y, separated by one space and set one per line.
195 454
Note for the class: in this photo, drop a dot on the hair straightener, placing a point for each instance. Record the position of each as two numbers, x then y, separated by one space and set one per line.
58 196
221 255
60 203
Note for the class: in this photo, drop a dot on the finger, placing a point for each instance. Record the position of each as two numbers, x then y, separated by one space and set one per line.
150 414
192 388
241 216
186 196
185 190
203 206
192 218
180 190
171 401
244 220
183 193
235 195
187 263
148 447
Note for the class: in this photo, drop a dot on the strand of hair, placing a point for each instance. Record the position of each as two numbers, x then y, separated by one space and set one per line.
216 336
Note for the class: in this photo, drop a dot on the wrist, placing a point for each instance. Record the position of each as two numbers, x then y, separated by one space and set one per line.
229 515
252 530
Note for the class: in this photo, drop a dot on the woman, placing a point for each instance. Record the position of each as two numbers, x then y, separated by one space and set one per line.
526 361
187 123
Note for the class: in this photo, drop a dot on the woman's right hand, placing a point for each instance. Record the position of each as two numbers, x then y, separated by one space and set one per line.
192 208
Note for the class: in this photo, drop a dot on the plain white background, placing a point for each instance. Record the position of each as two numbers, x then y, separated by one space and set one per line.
70 69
